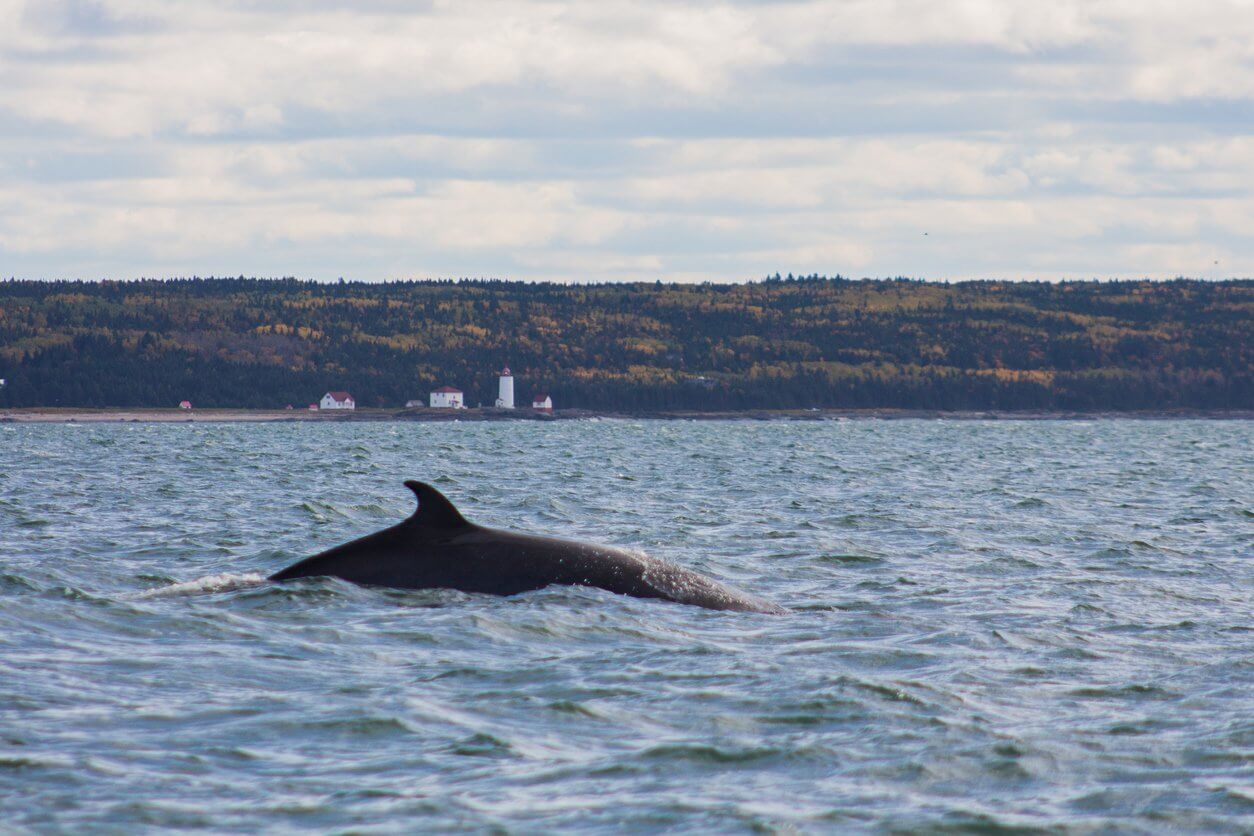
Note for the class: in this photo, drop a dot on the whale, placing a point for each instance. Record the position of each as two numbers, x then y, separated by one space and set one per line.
437 548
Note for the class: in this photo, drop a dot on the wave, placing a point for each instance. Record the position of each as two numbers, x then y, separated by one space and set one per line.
224 582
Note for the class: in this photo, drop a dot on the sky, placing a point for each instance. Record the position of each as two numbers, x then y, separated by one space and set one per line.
608 141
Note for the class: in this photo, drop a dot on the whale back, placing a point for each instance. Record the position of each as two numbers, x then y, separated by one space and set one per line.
436 547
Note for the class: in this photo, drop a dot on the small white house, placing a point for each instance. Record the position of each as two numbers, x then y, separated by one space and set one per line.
337 400
446 397
542 402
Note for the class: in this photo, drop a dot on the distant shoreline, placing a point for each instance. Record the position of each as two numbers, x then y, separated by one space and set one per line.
122 415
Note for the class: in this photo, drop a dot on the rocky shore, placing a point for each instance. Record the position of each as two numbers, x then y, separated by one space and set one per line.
44 415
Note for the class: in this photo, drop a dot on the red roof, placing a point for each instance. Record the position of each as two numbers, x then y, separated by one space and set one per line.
540 397
505 372
448 390
341 396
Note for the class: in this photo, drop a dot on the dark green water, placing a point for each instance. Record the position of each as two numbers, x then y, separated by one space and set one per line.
1002 625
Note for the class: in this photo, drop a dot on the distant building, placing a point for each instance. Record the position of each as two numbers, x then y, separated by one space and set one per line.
413 404
337 400
313 407
446 397
185 404
505 396
289 406
542 402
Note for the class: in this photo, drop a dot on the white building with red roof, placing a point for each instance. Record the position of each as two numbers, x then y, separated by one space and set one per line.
542 402
337 400
447 397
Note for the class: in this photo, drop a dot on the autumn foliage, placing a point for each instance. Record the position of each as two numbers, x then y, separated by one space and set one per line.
779 343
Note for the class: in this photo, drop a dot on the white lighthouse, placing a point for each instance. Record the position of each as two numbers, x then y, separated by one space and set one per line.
505 398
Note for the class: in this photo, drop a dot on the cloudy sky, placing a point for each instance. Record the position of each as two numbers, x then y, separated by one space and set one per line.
380 139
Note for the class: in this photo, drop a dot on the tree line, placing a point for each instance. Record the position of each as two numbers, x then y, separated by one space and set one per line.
784 343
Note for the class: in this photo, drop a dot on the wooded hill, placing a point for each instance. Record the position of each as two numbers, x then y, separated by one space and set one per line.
779 343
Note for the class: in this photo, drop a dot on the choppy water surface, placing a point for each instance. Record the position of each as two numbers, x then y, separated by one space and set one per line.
997 625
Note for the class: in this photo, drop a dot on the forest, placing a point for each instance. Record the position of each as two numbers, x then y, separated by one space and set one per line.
780 343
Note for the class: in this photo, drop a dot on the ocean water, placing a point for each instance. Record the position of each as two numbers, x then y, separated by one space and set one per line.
998 626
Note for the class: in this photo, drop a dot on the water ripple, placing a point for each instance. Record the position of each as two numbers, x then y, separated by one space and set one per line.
998 626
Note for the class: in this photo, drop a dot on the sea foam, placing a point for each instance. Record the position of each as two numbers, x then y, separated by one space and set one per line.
224 582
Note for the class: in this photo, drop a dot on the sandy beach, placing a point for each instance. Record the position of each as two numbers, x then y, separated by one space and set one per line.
44 415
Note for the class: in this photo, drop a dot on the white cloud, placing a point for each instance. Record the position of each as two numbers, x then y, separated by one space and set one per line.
558 140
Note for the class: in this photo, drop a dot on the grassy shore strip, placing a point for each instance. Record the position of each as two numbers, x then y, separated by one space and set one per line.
67 415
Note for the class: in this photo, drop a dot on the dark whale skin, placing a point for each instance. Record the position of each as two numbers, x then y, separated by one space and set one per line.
437 549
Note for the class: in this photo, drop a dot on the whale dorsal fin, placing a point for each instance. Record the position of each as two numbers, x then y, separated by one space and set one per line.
434 509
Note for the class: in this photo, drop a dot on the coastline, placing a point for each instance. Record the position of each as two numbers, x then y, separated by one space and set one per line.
124 415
